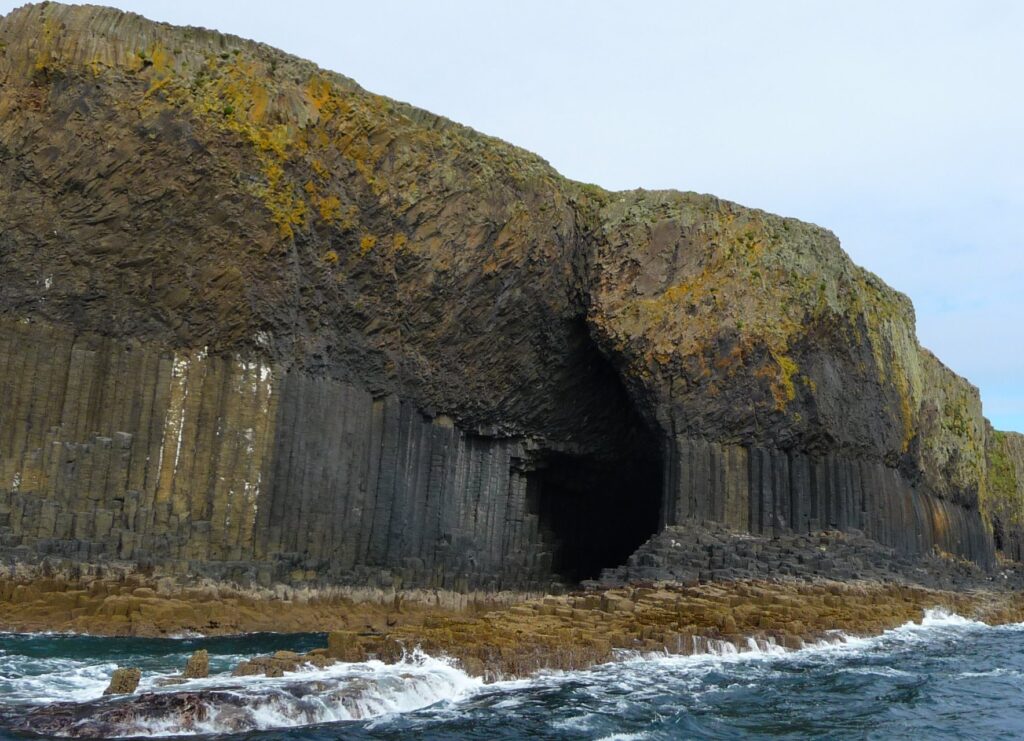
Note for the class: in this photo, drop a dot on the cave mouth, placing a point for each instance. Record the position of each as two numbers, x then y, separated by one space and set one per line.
595 513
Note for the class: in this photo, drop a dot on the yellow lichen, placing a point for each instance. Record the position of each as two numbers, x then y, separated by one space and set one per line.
160 59
329 208
1002 496
783 390
318 90
234 96
47 40
318 168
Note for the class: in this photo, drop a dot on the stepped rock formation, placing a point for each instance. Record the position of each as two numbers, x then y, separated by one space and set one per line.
259 324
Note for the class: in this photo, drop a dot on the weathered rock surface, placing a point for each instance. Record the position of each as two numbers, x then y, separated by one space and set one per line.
260 325
567 632
1004 492
112 603
710 552
198 665
124 682
582 629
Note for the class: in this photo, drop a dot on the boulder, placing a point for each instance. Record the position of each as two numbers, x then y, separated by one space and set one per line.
198 665
124 682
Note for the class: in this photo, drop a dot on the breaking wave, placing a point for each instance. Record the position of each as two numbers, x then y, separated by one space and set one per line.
721 689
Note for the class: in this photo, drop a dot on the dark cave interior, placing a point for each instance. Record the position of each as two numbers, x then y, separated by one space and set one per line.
595 513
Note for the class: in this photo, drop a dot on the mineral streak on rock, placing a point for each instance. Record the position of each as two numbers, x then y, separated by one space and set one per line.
260 325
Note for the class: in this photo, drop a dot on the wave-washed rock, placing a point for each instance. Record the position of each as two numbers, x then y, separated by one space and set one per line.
260 325
569 632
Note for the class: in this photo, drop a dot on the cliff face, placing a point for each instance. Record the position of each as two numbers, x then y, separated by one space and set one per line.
1003 499
787 381
258 323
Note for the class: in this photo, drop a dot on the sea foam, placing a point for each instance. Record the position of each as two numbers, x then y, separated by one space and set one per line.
374 690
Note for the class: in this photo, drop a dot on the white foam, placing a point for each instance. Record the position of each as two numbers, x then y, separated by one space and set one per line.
711 654
579 723
939 617
877 671
1000 672
374 690
342 692
45 680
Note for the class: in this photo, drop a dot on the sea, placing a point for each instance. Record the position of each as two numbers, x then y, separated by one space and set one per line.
942 677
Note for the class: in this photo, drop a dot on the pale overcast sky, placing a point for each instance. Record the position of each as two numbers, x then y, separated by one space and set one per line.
897 125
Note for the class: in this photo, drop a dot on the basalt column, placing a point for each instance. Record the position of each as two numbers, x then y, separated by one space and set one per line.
113 450
769 491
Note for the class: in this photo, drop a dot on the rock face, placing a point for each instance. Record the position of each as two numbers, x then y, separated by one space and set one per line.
1004 494
259 324
708 552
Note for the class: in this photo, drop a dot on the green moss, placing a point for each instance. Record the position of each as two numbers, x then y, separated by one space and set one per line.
1002 491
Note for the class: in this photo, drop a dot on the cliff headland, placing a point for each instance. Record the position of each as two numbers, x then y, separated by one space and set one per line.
278 353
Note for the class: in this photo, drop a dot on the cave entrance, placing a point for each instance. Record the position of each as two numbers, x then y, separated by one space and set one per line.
594 513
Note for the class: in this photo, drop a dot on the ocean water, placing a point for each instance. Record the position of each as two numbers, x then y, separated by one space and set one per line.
944 677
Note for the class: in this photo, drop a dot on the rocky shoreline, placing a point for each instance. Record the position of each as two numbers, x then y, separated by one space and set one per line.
685 587
316 334
565 632
577 631
695 589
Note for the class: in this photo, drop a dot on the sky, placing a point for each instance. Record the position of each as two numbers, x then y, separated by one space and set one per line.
897 125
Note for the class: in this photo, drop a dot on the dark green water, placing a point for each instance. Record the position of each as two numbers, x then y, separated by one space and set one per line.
945 678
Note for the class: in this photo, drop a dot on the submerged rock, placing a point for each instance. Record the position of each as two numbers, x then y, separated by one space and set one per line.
240 707
170 681
138 715
279 663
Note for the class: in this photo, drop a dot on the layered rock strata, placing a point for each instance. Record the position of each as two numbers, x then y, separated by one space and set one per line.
261 325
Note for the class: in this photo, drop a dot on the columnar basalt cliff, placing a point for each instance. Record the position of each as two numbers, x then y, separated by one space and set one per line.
259 324
1003 501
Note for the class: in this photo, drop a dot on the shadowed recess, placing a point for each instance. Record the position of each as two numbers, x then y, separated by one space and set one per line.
595 513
